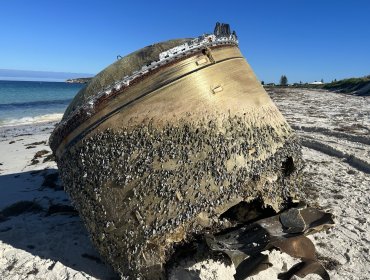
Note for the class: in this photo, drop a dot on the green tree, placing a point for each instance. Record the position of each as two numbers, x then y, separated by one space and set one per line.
283 80
262 83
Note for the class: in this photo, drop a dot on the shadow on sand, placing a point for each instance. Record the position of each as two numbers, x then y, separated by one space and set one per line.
59 236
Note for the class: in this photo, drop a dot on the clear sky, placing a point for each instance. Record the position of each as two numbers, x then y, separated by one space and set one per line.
305 40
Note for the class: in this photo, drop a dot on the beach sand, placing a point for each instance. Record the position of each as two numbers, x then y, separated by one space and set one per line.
51 243
44 238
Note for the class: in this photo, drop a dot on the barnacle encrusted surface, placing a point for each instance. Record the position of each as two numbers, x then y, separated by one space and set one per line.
140 188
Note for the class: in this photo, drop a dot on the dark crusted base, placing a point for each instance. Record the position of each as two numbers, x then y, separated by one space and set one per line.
142 189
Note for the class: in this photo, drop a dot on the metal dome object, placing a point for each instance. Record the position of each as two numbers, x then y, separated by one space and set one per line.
164 141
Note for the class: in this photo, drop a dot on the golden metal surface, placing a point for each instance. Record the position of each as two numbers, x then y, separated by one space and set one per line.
189 87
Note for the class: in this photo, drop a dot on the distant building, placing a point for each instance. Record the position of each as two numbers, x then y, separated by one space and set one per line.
316 83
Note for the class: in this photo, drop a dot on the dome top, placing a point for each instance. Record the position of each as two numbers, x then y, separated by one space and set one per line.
119 69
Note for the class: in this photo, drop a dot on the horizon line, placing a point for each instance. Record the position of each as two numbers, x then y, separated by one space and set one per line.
30 79
44 71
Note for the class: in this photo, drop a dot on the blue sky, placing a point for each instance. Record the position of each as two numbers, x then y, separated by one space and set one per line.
305 40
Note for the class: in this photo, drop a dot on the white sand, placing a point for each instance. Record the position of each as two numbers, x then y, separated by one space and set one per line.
40 246
37 246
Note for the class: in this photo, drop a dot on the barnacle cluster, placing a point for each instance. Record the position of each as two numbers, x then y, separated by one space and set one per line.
142 189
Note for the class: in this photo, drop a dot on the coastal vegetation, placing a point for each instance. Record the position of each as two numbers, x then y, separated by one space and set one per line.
283 80
356 86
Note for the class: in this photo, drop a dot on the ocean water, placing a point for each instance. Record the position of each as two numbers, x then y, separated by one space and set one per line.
30 102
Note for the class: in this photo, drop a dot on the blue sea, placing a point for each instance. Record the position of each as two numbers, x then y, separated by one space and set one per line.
30 102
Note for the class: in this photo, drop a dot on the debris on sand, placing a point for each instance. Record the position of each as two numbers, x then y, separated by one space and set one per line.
39 154
286 232
30 147
50 157
36 143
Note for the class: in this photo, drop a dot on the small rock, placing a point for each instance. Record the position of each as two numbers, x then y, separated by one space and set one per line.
351 171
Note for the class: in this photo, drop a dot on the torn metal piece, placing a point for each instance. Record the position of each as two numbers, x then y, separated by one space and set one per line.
285 232
304 268
301 247
249 240
292 221
301 220
316 220
297 246
252 266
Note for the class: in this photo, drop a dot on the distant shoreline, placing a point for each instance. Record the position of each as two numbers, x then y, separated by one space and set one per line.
43 76
7 79
68 81
353 86
78 81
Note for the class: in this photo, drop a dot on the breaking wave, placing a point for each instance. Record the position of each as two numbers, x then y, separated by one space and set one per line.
31 120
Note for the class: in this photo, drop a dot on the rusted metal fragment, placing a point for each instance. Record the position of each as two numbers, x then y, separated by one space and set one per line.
252 266
244 244
305 268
